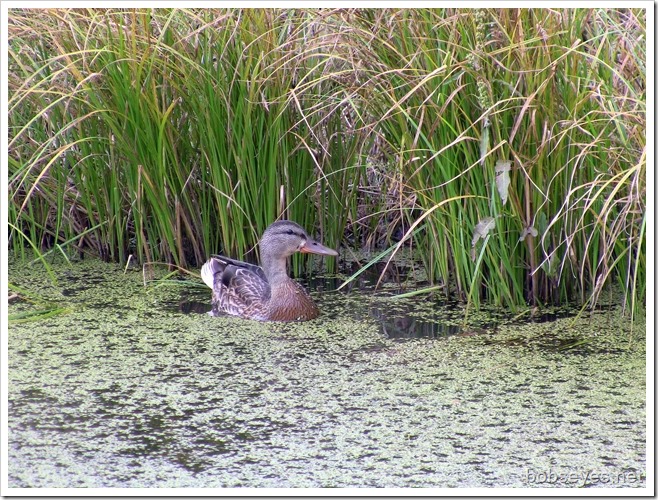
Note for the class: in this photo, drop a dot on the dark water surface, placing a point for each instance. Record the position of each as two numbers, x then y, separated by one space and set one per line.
137 387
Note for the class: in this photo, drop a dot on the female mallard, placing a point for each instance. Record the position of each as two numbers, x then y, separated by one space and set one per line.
264 293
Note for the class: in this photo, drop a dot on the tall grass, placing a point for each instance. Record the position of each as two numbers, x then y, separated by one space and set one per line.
507 145
520 134
160 129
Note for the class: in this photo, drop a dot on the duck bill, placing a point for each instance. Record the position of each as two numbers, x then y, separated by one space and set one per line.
312 246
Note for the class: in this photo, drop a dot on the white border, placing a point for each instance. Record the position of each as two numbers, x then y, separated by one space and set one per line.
292 492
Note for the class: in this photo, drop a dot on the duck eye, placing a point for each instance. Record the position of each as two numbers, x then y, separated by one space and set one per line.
290 231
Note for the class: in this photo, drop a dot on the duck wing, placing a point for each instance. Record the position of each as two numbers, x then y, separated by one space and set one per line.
242 265
238 288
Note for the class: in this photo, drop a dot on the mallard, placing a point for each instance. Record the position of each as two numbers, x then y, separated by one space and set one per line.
264 293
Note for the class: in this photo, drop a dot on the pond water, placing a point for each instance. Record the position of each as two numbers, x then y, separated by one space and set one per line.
136 387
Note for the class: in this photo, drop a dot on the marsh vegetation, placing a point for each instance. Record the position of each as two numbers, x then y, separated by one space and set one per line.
506 146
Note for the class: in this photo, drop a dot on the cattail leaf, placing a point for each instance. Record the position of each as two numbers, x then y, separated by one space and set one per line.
528 231
502 169
550 265
482 229
484 142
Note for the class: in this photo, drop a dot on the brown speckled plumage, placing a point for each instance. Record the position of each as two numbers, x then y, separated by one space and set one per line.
264 293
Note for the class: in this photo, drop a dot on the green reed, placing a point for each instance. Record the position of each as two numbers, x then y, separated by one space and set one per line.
515 135
528 123
169 131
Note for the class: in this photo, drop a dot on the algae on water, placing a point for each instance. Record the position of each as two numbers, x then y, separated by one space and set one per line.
128 391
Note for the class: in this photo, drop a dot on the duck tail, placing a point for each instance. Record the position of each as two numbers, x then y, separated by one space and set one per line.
209 270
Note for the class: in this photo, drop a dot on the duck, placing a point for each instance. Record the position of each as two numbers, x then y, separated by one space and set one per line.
266 292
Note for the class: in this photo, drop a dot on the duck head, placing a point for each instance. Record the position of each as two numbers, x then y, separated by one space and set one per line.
282 239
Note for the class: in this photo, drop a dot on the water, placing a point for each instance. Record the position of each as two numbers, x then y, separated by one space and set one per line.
419 318
395 319
137 387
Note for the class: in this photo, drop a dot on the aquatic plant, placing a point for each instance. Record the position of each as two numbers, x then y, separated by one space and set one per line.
506 145
519 138
157 129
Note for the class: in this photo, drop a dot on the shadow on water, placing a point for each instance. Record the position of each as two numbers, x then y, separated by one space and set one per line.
420 317
400 321
399 324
